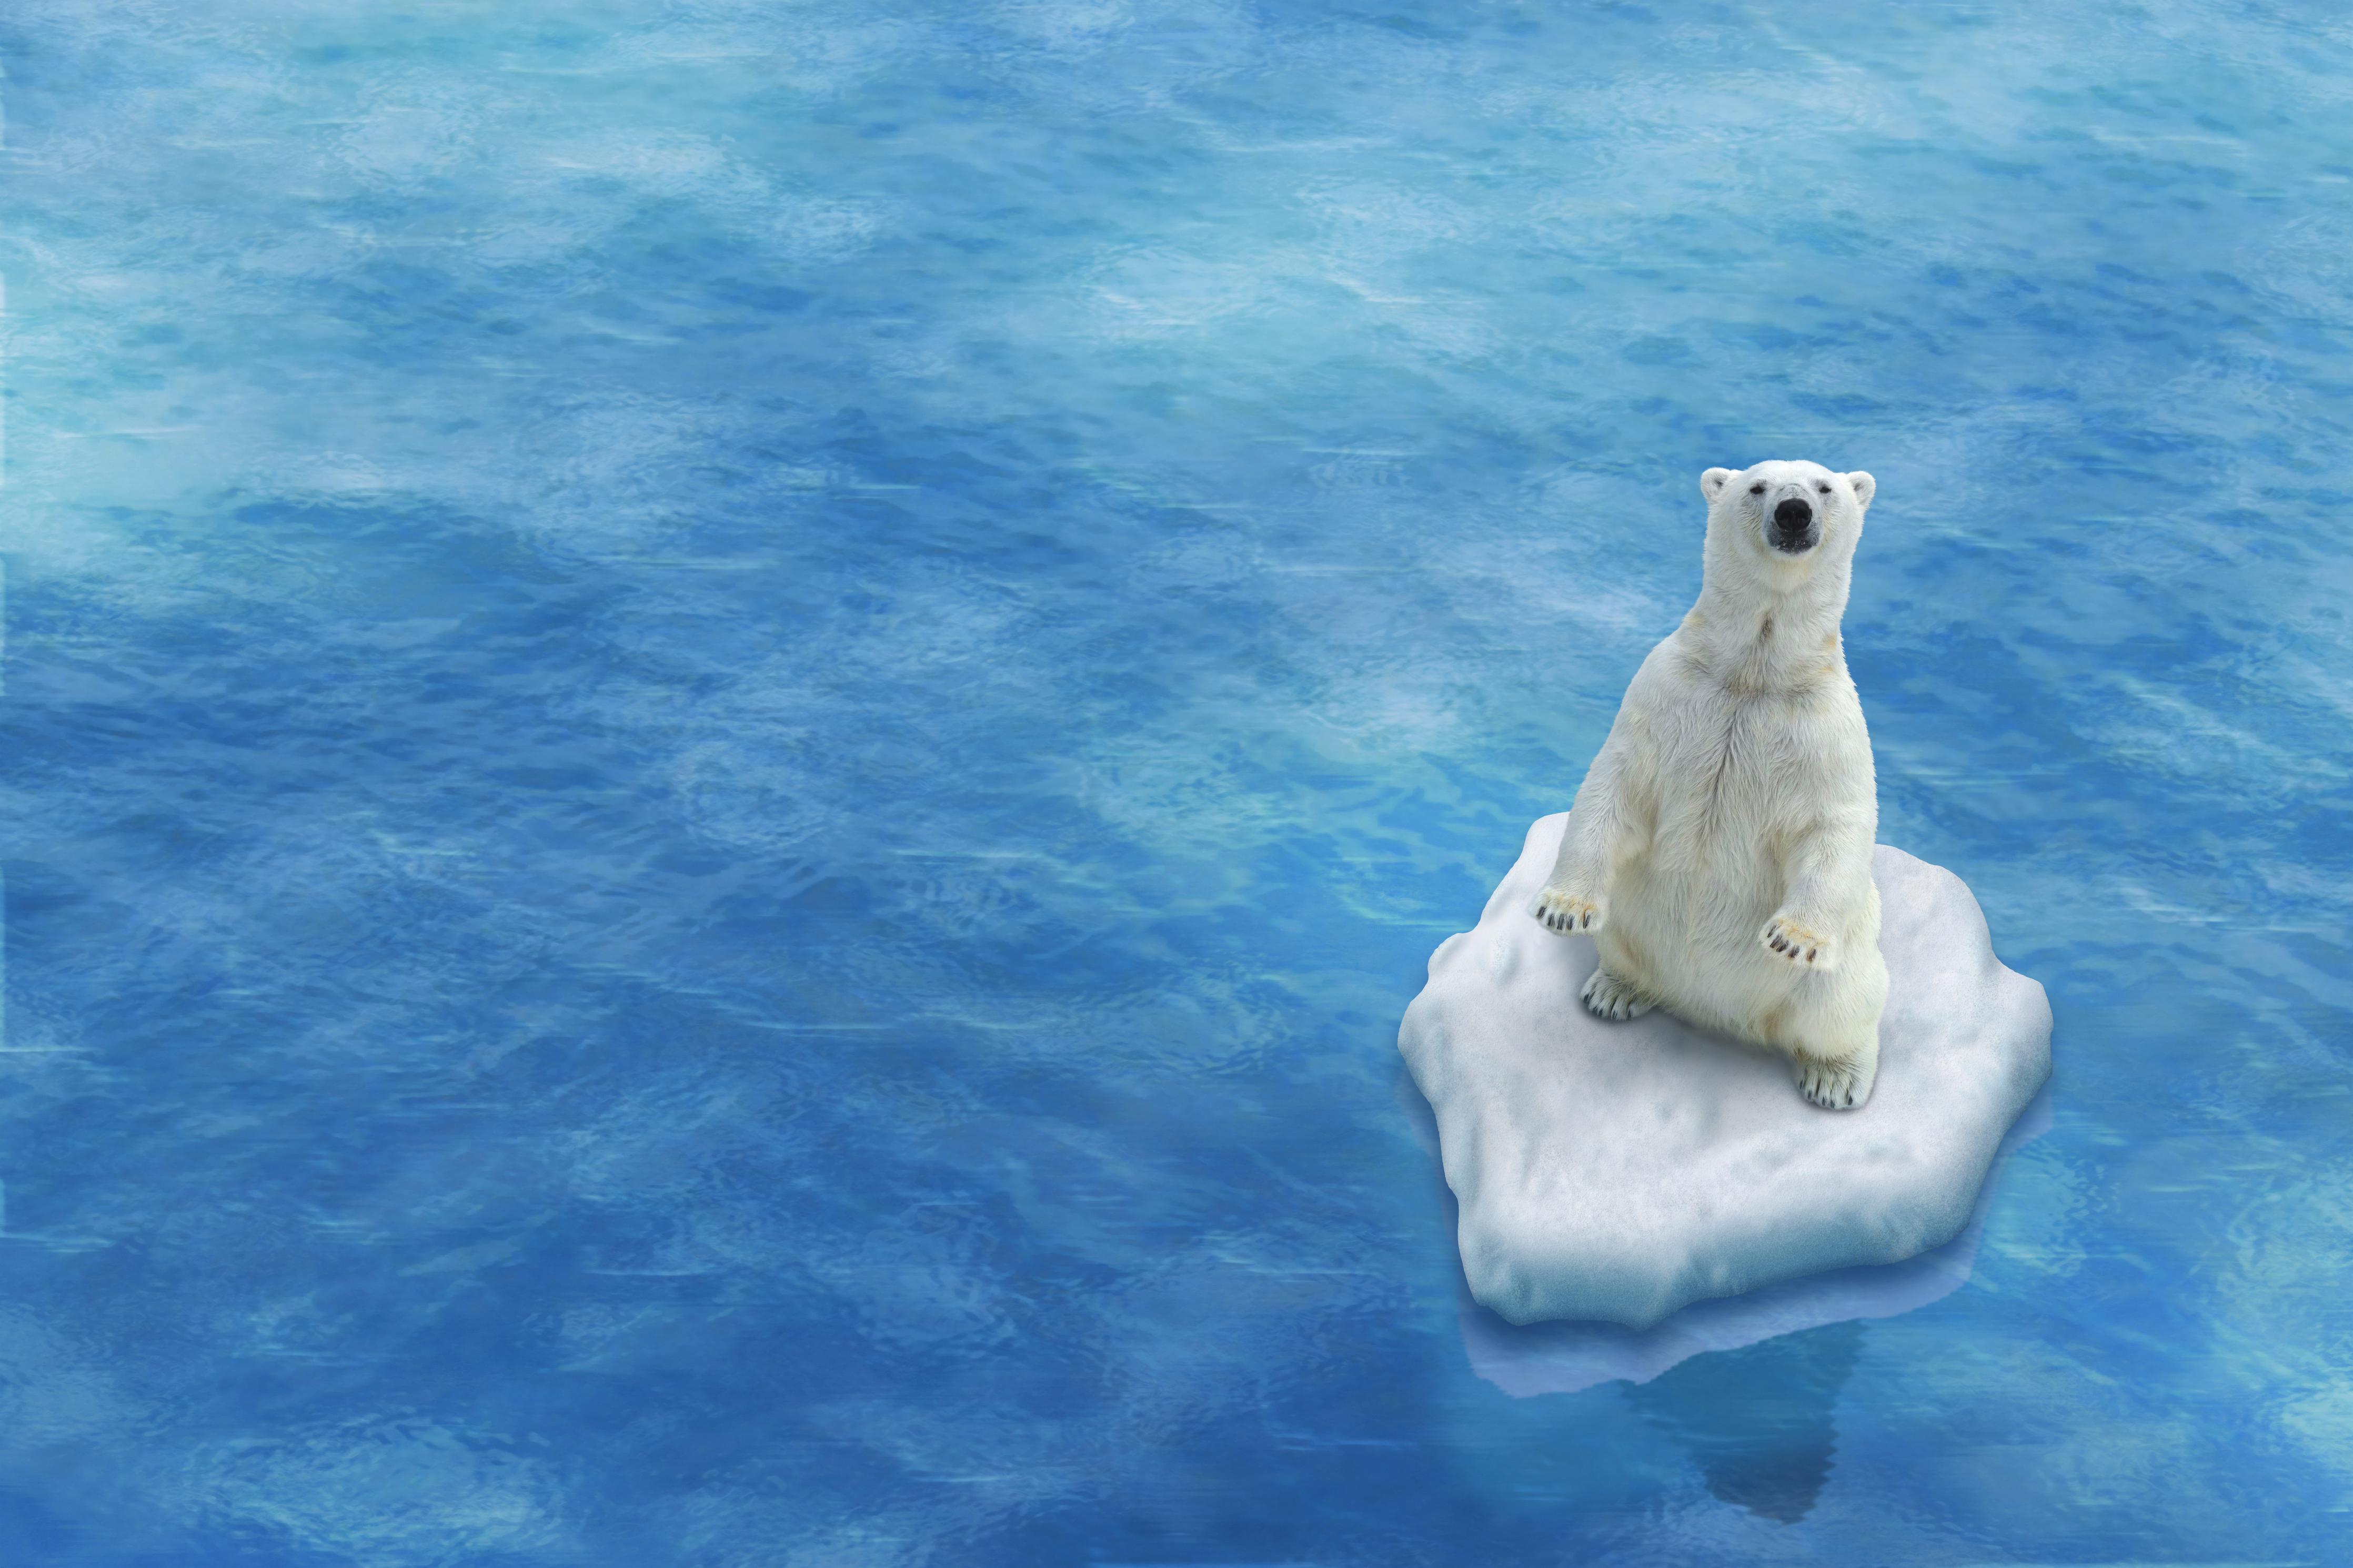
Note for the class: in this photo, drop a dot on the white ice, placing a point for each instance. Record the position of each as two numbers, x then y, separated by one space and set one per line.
1531 1359
1618 1172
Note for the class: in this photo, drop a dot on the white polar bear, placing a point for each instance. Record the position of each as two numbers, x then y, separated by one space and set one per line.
1719 852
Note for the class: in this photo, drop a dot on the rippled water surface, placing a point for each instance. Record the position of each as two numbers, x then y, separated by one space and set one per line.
731 730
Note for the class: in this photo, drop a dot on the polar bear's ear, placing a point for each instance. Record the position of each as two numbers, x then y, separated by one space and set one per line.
1864 488
1711 483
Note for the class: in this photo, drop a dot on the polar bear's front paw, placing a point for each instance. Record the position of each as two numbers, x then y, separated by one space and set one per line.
1801 945
1566 911
1833 1085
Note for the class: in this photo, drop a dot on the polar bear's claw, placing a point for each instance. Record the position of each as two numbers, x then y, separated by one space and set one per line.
1801 945
1607 996
1564 911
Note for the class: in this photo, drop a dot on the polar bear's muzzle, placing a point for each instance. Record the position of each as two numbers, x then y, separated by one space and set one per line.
1792 532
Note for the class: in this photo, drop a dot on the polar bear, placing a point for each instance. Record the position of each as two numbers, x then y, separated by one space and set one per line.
1719 851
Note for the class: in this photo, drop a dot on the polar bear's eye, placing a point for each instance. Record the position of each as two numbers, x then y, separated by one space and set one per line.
1756 490
1824 488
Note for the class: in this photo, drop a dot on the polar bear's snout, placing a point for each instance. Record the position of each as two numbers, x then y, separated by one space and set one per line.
1793 531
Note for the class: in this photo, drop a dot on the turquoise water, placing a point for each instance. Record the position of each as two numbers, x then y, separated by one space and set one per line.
731 730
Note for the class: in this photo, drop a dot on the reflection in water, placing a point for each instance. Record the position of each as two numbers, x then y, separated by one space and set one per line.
1758 1420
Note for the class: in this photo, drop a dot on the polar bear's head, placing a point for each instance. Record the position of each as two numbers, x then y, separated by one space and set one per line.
1789 514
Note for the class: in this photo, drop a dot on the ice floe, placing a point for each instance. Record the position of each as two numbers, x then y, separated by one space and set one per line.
1620 1172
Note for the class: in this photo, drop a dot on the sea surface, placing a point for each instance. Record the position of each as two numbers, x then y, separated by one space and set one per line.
731 730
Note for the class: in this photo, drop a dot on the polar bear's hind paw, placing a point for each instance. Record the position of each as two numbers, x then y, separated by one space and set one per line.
1607 996
1833 1085
1569 912
1800 944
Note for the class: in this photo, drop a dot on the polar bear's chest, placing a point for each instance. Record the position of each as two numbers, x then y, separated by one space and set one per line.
1737 763
1731 781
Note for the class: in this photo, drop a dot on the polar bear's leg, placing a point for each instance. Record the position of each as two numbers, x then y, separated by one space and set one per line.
1606 996
1831 1029
1599 836
1821 870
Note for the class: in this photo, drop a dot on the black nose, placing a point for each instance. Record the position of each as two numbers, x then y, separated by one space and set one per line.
1792 516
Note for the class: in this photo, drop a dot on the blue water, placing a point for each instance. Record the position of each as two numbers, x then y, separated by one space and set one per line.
732 728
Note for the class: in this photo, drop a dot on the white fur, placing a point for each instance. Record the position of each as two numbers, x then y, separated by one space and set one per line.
1719 852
